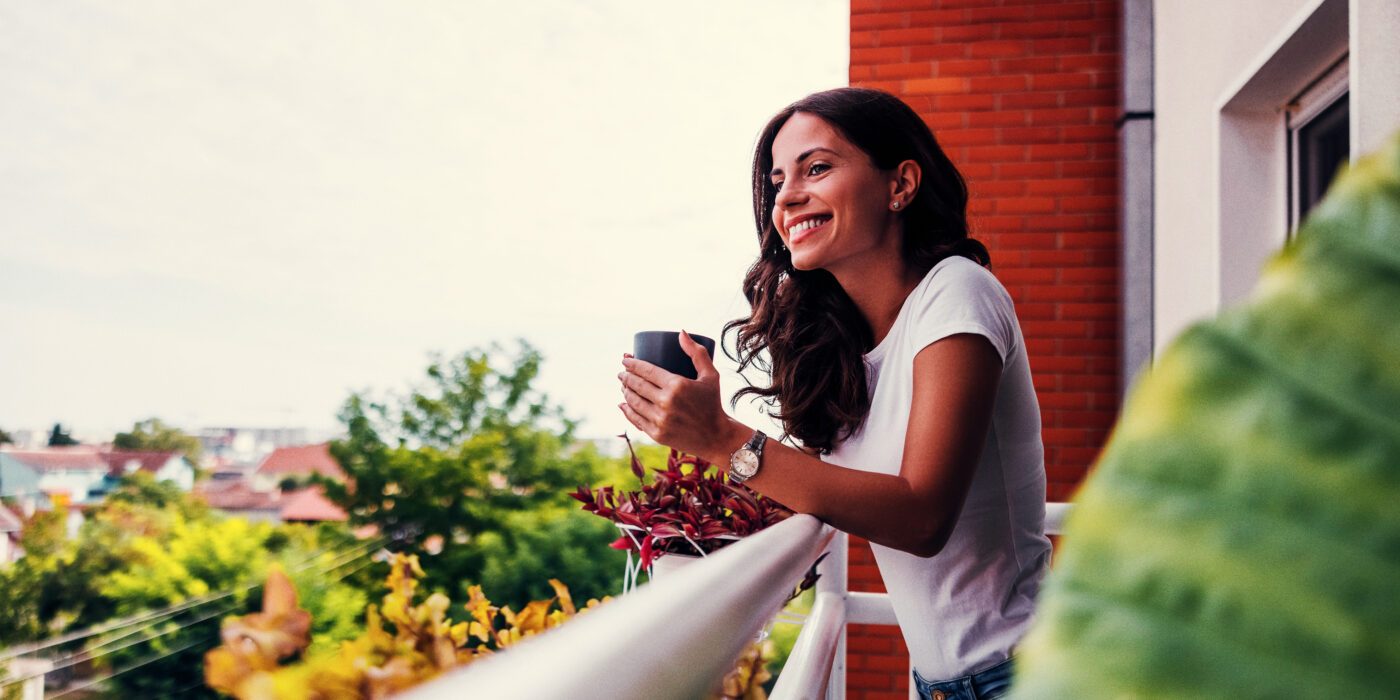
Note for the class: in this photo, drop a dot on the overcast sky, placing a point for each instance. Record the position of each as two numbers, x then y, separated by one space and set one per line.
236 213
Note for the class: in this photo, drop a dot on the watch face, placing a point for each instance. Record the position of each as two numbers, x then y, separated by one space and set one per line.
743 464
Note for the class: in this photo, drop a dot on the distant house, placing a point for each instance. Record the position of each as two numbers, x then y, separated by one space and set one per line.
65 474
297 462
11 528
169 465
18 480
236 498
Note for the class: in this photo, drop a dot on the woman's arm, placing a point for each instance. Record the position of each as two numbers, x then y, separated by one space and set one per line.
955 382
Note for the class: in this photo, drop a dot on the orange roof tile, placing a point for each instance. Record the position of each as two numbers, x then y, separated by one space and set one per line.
304 459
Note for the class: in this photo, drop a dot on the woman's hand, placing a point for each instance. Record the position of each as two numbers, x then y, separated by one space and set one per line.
684 414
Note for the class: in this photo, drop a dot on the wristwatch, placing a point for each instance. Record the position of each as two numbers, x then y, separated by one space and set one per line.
745 461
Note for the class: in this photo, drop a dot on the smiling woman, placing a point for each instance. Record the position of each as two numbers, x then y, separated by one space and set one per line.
899 372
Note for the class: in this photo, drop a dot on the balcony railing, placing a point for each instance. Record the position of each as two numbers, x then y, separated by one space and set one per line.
677 636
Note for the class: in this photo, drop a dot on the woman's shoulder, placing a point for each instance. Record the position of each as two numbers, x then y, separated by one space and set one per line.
958 274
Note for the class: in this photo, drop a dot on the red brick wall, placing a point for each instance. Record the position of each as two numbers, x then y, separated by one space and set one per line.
1022 94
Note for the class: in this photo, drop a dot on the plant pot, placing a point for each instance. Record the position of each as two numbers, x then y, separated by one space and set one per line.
670 563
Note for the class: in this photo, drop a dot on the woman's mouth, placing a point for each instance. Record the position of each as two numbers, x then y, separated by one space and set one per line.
805 228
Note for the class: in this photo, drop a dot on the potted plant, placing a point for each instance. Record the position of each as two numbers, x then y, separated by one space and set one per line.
685 509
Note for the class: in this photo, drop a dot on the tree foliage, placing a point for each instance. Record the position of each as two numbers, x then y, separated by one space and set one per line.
154 434
58 438
478 462
150 546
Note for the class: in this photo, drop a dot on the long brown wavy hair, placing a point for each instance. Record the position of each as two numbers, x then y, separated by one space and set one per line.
812 334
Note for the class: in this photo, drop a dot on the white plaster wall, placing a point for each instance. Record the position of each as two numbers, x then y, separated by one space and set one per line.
1201 48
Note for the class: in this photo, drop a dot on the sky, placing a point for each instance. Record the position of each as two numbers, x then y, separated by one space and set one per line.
237 214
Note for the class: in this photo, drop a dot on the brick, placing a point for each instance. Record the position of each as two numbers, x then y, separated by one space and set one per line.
1029 100
954 102
999 14
1056 222
937 52
997 118
930 18
1033 134
1064 115
1026 169
912 36
1057 151
1075 98
981 66
996 153
1036 64
863 39
999 83
1025 205
888 663
1031 30
869 680
879 20
1055 329
1089 203
869 645
861 72
1063 399
1057 186
1088 310
1096 61
1061 81
1064 44
1004 48
1089 382
934 86
1097 26
913 69
1090 239
883 54
1091 132
1063 10
1089 168
965 33
999 188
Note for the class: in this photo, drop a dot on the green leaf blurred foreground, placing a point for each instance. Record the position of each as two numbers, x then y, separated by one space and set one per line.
1240 536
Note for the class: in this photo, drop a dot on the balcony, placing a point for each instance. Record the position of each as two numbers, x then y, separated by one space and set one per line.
676 637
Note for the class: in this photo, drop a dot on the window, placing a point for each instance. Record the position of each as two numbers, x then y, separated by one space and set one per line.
1319 141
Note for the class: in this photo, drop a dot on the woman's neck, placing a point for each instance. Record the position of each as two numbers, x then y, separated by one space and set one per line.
879 290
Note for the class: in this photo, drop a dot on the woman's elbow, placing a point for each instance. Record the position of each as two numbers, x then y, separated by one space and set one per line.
928 542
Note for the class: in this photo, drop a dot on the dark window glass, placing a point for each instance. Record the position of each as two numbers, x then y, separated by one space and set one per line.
1323 145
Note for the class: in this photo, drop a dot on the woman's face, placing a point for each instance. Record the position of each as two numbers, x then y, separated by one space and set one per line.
832 207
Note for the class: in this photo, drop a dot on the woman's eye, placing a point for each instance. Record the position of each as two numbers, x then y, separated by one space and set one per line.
817 169
777 185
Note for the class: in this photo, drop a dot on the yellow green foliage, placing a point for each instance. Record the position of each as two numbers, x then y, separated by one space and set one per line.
263 656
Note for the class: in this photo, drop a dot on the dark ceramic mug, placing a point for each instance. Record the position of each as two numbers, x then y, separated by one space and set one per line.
663 349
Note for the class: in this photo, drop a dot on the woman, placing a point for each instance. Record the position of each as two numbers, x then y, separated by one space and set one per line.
898 364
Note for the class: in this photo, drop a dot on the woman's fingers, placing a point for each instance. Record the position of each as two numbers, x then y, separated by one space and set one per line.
704 366
637 420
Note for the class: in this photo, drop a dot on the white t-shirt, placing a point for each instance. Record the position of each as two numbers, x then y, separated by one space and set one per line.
963 609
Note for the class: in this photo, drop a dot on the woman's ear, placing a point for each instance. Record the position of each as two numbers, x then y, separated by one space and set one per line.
905 183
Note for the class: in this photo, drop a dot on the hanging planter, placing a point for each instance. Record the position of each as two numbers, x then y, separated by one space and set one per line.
686 509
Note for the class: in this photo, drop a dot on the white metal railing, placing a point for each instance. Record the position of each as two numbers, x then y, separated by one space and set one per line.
676 637
817 663
673 638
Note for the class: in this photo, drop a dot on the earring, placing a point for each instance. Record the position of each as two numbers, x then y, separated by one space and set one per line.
894 206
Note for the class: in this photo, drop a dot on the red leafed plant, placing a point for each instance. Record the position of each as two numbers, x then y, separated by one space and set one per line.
685 506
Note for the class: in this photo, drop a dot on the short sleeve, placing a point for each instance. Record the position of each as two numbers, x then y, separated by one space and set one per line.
960 296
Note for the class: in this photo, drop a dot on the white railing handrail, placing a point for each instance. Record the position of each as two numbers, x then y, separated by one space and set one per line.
808 667
674 638
818 645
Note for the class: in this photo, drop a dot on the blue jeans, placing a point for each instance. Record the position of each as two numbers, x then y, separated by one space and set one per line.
991 683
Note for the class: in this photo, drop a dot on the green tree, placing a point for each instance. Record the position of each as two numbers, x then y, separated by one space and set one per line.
479 463
149 546
58 438
154 434
5 438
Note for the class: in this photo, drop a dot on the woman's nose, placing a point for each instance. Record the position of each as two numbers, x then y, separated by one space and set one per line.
789 195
